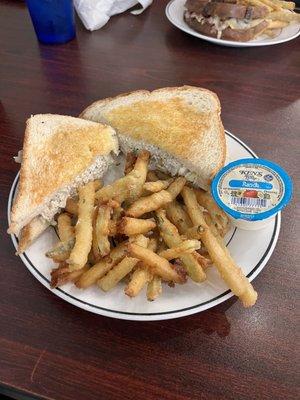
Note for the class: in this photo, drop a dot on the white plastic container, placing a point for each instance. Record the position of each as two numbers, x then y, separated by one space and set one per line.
252 191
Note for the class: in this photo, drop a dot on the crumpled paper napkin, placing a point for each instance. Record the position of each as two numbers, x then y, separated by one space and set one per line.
95 13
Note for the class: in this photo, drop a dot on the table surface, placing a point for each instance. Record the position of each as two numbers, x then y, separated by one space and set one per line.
51 349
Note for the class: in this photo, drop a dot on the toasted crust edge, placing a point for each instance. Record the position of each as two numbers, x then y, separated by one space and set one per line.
107 100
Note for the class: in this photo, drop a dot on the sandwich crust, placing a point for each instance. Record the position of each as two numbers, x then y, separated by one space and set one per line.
183 121
56 150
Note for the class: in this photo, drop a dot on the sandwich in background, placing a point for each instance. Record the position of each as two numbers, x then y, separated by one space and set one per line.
239 20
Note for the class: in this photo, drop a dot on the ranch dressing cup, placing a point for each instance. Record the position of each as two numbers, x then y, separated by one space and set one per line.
251 191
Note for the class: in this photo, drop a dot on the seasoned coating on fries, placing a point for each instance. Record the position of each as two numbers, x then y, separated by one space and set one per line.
102 229
84 227
172 238
149 203
277 24
154 288
157 265
194 232
152 177
175 187
141 276
288 5
270 4
72 206
133 226
102 267
229 271
141 168
205 261
98 184
62 275
120 270
162 175
187 246
219 218
284 16
158 185
61 251
130 186
64 227
129 162
117 273
214 231
226 266
178 217
183 238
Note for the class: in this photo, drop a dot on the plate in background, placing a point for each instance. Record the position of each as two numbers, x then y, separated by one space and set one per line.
174 13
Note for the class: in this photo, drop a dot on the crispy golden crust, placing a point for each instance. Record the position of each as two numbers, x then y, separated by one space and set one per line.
56 150
173 124
31 232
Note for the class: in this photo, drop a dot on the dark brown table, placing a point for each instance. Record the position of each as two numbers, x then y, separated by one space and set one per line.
52 350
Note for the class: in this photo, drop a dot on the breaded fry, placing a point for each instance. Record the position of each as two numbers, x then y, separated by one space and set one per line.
283 16
142 275
130 186
149 203
84 227
288 5
172 238
62 275
152 177
154 288
194 232
175 187
120 270
187 246
72 206
129 163
102 229
61 251
103 266
133 226
226 266
157 186
64 227
277 24
158 265
98 184
178 217
117 273
218 216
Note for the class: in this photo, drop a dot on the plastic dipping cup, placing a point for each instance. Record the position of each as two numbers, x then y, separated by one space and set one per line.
53 20
252 191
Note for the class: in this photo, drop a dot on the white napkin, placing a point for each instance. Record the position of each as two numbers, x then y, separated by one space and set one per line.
95 13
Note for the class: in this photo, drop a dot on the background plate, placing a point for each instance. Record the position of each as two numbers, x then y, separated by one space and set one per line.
250 249
174 13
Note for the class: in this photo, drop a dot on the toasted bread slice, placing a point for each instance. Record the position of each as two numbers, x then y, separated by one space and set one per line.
60 154
180 126
31 232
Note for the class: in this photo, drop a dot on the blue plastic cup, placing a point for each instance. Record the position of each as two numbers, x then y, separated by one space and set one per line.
53 20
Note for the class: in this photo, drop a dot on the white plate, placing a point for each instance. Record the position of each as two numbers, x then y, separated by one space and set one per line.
250 249
174 13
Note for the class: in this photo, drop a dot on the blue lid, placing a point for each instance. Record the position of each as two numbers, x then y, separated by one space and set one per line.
252 189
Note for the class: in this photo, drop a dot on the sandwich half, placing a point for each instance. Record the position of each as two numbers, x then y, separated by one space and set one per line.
60 154
226 19
180 126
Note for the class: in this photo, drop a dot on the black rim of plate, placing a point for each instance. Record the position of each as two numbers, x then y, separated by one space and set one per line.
266 253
